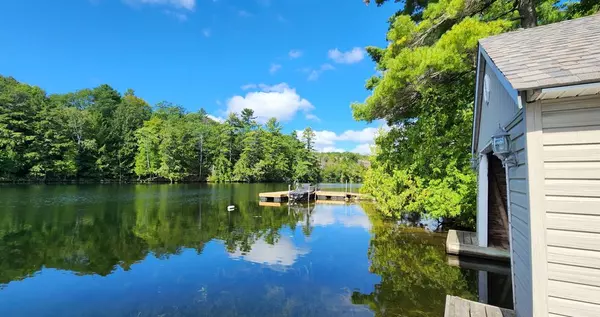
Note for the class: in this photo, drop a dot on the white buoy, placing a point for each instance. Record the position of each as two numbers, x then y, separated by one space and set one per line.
231 208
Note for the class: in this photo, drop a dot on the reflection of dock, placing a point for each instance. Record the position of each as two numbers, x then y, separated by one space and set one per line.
458 307
283 196
465 243
481 265
492 266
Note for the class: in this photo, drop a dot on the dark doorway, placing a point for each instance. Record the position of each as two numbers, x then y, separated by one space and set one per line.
497 209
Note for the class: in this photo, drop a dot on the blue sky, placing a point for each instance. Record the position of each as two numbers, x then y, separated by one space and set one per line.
302 61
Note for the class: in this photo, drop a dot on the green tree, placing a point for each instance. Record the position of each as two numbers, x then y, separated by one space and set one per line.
424 91
129 116
100 135
306 167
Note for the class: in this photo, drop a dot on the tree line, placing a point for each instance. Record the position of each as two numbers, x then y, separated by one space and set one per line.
424 89
101 135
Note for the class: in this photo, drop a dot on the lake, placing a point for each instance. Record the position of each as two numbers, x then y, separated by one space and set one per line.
175 250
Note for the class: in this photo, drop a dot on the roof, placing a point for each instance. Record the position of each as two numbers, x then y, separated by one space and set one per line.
559 54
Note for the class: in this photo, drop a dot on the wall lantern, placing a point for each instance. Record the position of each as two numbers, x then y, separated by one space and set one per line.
474 163
502 148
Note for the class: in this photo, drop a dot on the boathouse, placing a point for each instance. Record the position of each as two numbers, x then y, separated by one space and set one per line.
536 149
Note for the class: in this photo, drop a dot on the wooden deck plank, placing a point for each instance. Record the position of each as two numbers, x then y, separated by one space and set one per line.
468 239
274 194
319 192
459 307
331 202
455 245
477 309
449 309
452 237
474 239
493 311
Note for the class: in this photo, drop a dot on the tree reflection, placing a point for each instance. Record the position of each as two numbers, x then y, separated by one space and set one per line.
414 275
97 238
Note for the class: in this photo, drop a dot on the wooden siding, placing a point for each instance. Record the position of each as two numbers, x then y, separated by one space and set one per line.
571 153
519 210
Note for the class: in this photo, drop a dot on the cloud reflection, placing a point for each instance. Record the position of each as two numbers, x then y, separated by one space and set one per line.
282 253
348 216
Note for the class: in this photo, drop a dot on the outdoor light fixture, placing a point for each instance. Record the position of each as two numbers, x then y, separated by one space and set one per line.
502 148
474 163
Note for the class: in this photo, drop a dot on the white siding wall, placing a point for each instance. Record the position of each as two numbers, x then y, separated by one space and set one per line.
503 111
519 220
499 112
571 155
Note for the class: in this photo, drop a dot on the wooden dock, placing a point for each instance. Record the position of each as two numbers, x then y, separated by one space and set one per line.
458 307
465 243
326 202
277 197
282 196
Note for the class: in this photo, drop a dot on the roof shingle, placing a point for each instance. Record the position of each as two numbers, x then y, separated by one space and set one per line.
559 54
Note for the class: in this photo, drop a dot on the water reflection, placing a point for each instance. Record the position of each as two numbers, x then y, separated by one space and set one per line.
177 251
346 215
281 253
415 277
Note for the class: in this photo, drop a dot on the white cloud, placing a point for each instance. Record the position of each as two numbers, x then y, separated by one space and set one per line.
350 57
180 4
249 86
206 32
325 137
274 68
364 135
364 148
326 141
316 73
279 101
310 116
329 149
295 54
325 67
218 119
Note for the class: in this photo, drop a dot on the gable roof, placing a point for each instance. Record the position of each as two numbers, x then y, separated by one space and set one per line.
559 54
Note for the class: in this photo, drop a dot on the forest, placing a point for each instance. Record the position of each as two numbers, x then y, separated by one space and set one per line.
99 134
424 90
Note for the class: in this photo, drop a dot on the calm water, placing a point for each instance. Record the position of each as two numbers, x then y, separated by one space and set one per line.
175 250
